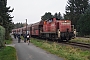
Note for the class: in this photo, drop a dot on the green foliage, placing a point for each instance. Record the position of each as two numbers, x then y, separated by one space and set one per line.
5 17
58 16
81 40
2 36
8 53
47 16
84 23
74 9
18 25
9 41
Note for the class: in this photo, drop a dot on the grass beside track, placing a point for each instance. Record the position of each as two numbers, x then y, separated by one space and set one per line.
68 52
8 53
81 40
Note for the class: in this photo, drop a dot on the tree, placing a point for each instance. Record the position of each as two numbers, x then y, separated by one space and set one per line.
5 17
84 23
46 16
74 9
18 25
58 16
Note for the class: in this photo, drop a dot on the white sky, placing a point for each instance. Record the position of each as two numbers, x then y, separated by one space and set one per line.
32 10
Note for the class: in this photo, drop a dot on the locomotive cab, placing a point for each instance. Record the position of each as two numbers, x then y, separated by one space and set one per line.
64 29
56 29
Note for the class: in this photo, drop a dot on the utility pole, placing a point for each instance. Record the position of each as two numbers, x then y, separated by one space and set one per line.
26 26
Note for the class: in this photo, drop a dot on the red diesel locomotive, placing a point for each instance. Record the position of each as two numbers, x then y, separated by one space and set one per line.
52 29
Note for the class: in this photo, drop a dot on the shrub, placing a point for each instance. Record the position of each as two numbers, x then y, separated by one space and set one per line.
2 36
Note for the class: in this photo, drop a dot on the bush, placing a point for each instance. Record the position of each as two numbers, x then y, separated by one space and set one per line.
2 36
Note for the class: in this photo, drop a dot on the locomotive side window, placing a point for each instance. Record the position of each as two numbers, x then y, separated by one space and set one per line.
50 20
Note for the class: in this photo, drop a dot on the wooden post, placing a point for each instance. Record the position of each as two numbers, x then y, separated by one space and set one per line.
26 26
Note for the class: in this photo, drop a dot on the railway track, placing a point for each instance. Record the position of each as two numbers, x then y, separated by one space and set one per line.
78 44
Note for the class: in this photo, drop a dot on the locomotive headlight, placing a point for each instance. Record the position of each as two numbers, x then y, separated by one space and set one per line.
59 32
65 21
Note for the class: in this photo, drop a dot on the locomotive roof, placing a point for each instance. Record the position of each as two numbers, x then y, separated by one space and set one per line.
35 24
62 20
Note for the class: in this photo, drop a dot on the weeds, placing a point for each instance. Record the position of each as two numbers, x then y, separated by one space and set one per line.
81 40
68 52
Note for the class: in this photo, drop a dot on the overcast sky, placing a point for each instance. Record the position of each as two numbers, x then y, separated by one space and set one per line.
32 10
